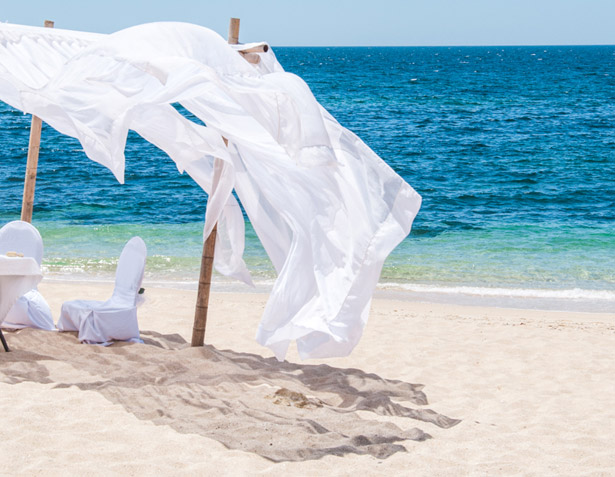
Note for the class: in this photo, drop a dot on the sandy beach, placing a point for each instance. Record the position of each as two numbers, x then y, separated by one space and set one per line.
431 389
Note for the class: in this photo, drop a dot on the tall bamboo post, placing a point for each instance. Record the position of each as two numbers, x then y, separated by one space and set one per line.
233 31
207 257
27 204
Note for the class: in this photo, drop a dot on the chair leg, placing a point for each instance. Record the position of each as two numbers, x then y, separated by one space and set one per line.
6 347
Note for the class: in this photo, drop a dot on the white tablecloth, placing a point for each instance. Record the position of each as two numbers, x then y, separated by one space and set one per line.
17 276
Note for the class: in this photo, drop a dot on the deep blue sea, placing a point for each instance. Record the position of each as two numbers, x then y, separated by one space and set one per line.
512 149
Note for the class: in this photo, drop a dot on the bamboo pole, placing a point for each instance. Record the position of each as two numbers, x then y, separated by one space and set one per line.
253 58
27 204
256 49
202 299
233 31
207 258
207 264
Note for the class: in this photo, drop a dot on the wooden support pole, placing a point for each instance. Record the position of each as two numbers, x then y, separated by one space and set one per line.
253 58
256 49
202 299
207 266
207 258
233 31
27 204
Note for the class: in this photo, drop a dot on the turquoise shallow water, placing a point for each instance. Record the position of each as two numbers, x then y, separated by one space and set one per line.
512 149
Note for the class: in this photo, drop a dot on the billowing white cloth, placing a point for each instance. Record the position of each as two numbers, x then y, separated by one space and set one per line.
102 322
31 309
326 208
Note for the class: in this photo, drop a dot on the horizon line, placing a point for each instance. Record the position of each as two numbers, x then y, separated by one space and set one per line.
446 46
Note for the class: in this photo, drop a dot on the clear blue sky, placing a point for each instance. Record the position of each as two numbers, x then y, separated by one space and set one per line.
346 22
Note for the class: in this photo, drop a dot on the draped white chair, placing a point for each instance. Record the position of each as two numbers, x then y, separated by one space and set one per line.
30 310
102 322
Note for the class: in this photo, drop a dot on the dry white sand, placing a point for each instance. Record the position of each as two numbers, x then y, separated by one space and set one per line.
534 393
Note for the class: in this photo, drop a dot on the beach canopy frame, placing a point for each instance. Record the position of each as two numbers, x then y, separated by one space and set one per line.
327 209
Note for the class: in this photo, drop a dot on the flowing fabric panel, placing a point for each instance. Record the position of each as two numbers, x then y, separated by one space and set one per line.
31 56
94 100
327 209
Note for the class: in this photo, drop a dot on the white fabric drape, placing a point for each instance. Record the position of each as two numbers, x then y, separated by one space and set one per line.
327 209
17 276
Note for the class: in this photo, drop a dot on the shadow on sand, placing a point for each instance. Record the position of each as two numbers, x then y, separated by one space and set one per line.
280 411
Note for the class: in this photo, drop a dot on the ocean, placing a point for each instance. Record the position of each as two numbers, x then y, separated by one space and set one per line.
511 148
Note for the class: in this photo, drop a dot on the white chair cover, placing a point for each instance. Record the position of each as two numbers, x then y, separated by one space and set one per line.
102 322
22 237
30 310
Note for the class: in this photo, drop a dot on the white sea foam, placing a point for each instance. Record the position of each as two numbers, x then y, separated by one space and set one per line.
570 299
570 294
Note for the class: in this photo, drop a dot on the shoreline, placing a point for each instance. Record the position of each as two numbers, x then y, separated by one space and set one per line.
562 300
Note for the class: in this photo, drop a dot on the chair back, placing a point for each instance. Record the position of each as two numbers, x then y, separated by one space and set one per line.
129 272
22 237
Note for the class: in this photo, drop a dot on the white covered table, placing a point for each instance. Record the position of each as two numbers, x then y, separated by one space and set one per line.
17 276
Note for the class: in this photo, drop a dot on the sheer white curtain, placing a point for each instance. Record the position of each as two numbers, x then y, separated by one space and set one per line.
327 209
